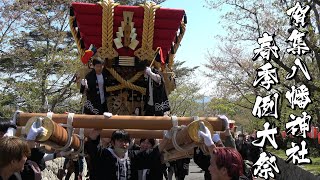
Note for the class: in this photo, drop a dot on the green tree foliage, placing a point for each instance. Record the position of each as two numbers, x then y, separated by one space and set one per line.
38 57
185 100
223 106
39 61
182 72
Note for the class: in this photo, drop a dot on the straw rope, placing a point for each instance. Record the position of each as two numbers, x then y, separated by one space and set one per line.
146 52
126 83
170 85
176 45
107 51
74 34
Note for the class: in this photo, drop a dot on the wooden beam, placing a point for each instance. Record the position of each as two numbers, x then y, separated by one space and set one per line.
121 122
106 133
55 136
175 154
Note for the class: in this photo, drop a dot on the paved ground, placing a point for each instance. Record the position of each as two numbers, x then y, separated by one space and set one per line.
194 172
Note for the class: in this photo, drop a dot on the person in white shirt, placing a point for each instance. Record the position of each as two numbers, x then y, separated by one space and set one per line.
157 101
94 85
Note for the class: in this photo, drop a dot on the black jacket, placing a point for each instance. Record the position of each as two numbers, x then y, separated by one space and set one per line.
12 177
203 161
160 98
152 167
93 103
37 157
106 165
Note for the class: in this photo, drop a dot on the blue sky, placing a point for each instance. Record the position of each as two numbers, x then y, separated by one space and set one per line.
202 26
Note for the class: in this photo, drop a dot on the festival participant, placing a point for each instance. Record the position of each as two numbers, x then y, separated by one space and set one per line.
203 161
200 159
225 163
180 168
135 144
146 144
73 164
105 142
157 101
94 85
116 161
36 161
4 126
13 156
88 159
151 172
247 150
229 141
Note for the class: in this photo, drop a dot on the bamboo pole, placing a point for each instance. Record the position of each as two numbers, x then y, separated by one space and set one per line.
121 122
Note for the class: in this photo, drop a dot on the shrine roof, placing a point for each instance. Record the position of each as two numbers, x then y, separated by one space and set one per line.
89 25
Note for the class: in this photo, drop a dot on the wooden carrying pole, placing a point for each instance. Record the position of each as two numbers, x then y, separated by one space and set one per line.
123 122
175 154
56 136
106 133
183 140
134 133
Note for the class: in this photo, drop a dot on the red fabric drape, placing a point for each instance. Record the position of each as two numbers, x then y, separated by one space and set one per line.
89 23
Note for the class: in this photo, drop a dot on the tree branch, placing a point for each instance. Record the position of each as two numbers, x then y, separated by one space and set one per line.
55 101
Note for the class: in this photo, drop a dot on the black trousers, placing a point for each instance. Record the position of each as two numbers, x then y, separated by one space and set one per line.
100 107
78 167
150 111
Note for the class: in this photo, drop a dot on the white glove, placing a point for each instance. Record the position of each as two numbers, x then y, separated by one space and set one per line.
10 132
48 157
167 134
137 111
148 71
34 132
84 83
153 76
107 114
206 137
216 138
225 120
